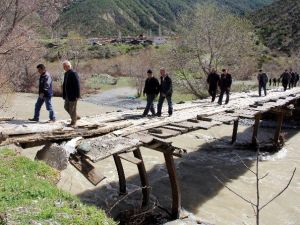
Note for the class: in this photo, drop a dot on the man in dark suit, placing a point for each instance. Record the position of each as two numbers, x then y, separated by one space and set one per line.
71 92
225 85
151 89
213 81
166 91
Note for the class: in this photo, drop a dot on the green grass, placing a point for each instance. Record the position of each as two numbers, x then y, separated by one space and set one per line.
96 83
28 194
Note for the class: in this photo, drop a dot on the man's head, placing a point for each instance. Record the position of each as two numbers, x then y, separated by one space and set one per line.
260 71
149 73
291 70
41 69
163 72
224 71
286 70
67 65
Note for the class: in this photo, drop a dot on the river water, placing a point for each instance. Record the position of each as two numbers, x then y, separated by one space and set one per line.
209 156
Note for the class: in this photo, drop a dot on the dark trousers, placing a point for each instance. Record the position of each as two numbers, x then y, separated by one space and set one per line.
264 87
226 91
212 92
71 108
285 85
38 105
150 105
291 84
161 102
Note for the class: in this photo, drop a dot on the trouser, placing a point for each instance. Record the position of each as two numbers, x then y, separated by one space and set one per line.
160 104
264 87
71 107
38 105
291 83
226 91
213 93
150 105
285 85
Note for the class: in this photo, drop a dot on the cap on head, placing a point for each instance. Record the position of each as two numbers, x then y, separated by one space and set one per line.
260 70
149 71
41 67
224 70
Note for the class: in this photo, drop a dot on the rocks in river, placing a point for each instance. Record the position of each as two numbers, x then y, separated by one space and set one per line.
54 155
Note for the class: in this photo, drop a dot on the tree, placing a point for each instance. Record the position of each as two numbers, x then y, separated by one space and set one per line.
257 205
210 37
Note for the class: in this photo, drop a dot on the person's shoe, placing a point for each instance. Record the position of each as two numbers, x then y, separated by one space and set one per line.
170 114
158 115
78 117
73 125
33 120
220 103
52 121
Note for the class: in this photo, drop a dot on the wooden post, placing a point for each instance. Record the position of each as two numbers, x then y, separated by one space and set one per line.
176 195
143 176
255 129
235 130
121 174
278 128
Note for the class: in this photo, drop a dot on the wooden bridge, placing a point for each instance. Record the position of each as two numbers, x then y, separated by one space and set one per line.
121 134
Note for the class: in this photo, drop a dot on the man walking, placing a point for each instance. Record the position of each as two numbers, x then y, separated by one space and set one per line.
71 92
225 85
297 78
292 79
213 80
151 89
285 79
166 91
45 94
262 82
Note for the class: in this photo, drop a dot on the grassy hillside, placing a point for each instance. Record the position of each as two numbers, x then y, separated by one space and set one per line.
28 195
107 17
279 25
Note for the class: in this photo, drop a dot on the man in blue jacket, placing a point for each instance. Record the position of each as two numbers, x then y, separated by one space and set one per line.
71 92
166 91
45 94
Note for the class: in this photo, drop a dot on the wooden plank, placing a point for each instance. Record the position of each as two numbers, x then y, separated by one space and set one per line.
129 158
81 163
175 128
165 133
121 174
99 148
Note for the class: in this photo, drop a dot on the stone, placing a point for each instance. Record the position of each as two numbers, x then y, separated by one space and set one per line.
54 155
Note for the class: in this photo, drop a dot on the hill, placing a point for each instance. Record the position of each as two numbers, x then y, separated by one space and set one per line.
279 25
107 17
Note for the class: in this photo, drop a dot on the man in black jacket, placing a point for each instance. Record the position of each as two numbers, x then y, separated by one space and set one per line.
285 79
293 79
151 89
166 91
262 78
45 94
71 92
225 85
213 80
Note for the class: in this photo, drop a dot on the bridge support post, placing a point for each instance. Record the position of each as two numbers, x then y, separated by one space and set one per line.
235 130
143 177
121 174
176 194
278 128
255 129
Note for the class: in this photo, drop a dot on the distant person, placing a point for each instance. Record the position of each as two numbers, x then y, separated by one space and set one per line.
151 89
262 82
270 82
45 94
274 82
71 92
213 80
285 79
225 85
297 79
166 91
293 79
278 82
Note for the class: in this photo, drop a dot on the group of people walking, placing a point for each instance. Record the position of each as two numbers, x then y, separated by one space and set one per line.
153 88
70 90
289 79
223 82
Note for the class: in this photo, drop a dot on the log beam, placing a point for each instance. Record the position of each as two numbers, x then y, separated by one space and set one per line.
235 130
121 174
255 129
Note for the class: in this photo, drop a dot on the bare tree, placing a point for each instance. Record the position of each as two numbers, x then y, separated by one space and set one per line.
257 205
210 37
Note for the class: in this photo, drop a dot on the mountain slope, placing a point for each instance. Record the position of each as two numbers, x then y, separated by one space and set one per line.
279 25
107 17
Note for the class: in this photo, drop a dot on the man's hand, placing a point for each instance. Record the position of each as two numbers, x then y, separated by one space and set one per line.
41 96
